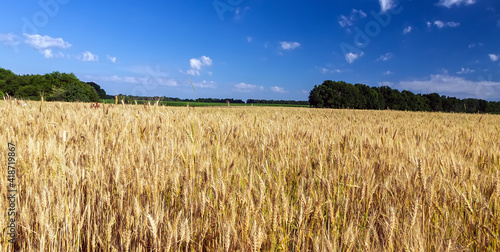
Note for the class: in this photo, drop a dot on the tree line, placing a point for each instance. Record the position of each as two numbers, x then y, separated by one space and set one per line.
55 86
339 94
286 102
131 98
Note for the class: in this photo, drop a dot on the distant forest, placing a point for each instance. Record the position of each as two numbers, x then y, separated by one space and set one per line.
131 98
55 86
339 94
58 86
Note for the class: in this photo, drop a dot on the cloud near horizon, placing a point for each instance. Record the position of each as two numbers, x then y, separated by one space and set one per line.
459 87
148 80
277 89
245 88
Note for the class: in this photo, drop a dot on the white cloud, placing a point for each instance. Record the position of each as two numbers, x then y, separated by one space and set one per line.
345 21
277 89
244 87
204 84
386 5
197 64
445 84
9 39
89 57
193 72
289 45
249 39
440 24
47 53
325 70
494 57
407 29
40 42
112 59
148 80
351 57
465 71
388 72
450 3
429 24
385 57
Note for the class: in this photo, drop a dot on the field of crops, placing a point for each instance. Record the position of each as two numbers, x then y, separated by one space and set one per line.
148 178
204 104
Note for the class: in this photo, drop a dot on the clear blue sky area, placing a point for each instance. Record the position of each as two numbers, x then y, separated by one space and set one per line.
258 49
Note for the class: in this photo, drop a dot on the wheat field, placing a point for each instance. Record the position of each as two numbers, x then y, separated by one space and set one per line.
154 178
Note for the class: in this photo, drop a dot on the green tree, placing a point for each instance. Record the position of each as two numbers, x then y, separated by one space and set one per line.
98 89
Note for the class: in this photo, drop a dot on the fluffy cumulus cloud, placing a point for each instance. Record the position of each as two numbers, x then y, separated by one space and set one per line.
386 5
494 57
110 58
40 42
277 89
445 84
351 57
407 29
49 54
197 64
450 3
440 24
46 45
347 21
9 39
89 57
285 45
244 87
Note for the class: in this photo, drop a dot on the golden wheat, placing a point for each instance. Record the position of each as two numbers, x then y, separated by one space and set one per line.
138 178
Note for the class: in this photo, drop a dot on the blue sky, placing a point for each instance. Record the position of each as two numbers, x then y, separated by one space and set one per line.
258 49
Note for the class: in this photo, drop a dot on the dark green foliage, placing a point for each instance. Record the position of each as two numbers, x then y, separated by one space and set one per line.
98 89
55 86
339 94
